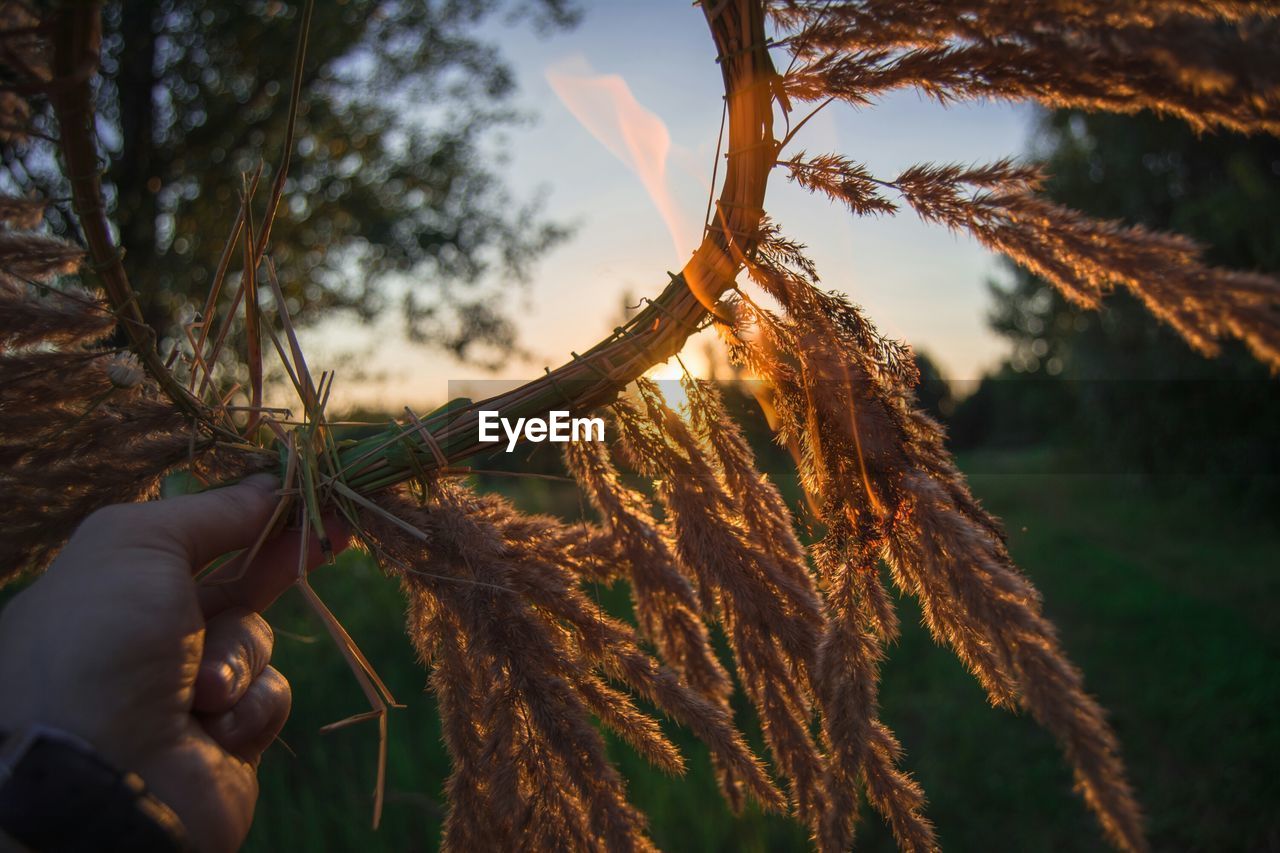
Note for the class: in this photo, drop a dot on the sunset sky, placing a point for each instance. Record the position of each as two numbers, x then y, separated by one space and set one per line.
919 283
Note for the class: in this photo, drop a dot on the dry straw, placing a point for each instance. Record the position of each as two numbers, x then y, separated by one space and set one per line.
523 662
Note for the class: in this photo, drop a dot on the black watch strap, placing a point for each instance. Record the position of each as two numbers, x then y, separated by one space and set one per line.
58 794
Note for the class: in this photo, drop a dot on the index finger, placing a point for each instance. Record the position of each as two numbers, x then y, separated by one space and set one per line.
273 570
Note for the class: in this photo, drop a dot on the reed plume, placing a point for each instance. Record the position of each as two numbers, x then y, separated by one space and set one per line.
78 429
887 487
769 615
1173 58
520 653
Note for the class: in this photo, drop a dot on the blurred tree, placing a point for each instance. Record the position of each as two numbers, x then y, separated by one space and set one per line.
1011 409
391 172
933 394
1127 385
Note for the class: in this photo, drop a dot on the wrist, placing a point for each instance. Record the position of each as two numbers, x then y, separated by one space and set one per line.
50 686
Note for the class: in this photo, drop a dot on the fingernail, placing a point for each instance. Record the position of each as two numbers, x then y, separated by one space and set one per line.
216 681
224 674
264 482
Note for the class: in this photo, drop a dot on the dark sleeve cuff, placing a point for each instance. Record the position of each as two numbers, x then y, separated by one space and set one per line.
58 794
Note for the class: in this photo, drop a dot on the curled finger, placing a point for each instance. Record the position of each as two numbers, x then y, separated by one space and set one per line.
250 726
237 648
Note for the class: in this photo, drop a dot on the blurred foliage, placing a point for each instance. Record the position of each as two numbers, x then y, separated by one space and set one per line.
1009 409
392 171
934 394
1115 383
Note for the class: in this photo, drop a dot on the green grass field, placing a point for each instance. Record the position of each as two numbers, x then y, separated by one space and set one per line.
1167 603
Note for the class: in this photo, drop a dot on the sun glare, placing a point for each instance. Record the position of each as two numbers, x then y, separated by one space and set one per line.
605 106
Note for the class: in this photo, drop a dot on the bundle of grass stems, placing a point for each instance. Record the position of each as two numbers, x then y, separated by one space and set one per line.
524 663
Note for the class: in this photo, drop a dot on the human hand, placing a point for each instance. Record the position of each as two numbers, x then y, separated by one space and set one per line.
117 644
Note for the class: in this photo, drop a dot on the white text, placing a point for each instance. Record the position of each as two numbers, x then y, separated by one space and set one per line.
557 427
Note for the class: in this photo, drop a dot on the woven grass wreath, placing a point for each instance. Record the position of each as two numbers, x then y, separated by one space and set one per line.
523 662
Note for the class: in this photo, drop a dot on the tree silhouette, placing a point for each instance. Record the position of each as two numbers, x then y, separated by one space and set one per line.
1122 383
392 172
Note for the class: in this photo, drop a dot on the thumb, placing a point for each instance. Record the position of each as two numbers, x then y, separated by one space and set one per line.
194 528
